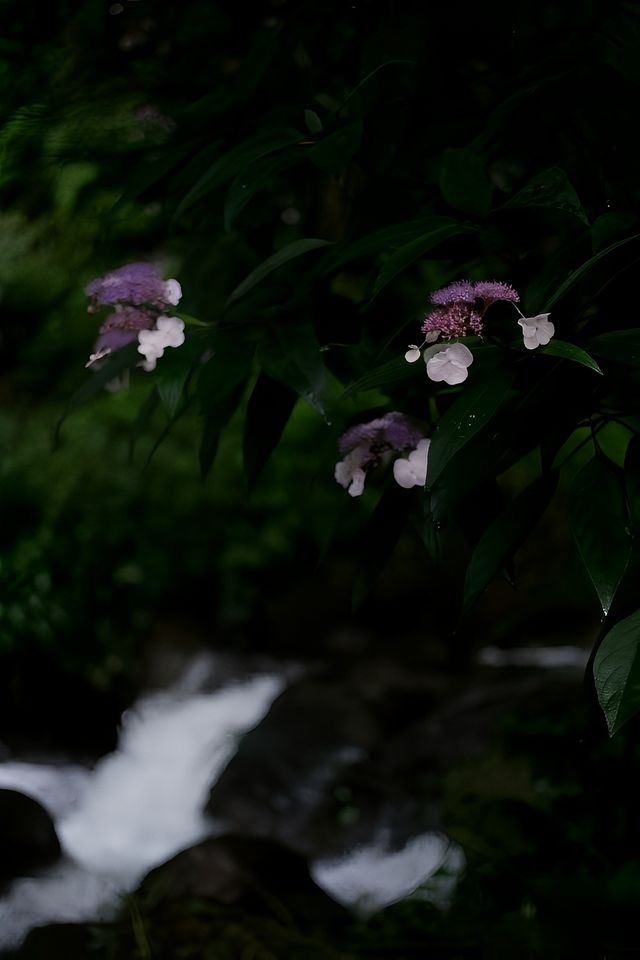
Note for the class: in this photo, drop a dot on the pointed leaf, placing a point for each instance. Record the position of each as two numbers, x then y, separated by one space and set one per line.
473 409
573 278
333 152
599 522
268 411
551 188
312 121
503 537
380 537
225 371
442 229
258 176
292 250
569 351
464 181
380 241
616 672
292 356
215 420
391 372
98 378
632 481
234 161
621 346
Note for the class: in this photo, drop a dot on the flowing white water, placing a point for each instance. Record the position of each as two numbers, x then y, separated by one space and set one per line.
373 876
143 803
139 806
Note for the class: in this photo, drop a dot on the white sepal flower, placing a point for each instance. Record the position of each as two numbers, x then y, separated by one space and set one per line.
536 331
412 472
413 353
172 292
172 330
349 472
448 364
168 332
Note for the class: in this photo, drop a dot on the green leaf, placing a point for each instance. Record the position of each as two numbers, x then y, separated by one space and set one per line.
569 351
616 671
632 481
576 275
312 121
291 355
391 372
622 346
111 368
503 537
380 537
442 228
290 252
268 411
551 188
256 177
379 241
609 225
333 152
599 523
464 181
473 409
228 366
232 163
215 420
171 376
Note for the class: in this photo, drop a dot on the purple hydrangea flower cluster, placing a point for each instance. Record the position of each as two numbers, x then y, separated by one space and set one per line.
122 327
460 307
138 295
134 283
391 432
364 444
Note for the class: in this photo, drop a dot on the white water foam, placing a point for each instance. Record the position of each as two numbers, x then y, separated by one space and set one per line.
140 805
373 876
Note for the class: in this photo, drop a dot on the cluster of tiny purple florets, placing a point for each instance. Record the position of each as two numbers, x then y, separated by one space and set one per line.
135 283
391 432
138 294
460 307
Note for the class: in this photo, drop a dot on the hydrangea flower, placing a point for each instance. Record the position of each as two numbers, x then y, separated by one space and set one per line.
460 306
134 283
349 472
536 331
168 332
449 364
137 293
365 444
412 472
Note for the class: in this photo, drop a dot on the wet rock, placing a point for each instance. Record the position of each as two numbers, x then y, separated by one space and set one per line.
58 941
248 871
277 783
241 896
28 839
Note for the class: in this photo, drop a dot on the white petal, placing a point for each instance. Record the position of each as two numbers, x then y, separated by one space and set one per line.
357 483
403 474
531 342
455 375
432 336
172 292
450 364
461 354
170 331
412 354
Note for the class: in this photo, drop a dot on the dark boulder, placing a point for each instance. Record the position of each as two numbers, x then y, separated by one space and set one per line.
28 839
278 781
